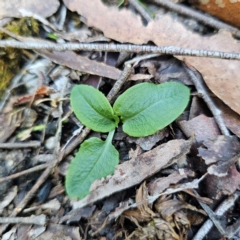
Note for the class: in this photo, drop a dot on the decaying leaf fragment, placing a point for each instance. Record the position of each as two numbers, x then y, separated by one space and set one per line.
143 213
8 123
216 186
168 219
156 228
220 75
160 184
219 149
136 170
147 143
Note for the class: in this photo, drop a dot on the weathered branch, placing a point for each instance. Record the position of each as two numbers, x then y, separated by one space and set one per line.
172 50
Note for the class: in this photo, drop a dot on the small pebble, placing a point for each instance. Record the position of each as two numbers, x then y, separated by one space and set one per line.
50 143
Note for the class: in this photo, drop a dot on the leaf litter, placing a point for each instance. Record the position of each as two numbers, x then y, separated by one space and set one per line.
165 167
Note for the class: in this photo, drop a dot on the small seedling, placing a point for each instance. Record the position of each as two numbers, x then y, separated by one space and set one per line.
144 109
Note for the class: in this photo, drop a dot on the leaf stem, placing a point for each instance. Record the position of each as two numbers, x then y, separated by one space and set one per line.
110 137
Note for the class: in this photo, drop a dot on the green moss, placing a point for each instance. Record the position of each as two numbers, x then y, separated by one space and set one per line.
10 57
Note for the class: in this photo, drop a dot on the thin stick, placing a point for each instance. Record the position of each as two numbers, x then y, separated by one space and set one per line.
38 220
32 144
206 227
134 48
60 109
199 16
19 174
203 90
141 10
62 17
137 59
121 80
211 215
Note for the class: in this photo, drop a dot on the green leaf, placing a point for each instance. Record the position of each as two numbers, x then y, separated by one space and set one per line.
146 108
53 36
93 109
95 159
120 2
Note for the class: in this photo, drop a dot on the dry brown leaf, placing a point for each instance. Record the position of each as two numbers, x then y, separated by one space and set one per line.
77 214
143 213
172 212
80 63
166 68
223 151
156 229
83 64
221 148
202 127
215 186
220 75
8 124
160 184
11 8
224 9
147 143
169 207
136 170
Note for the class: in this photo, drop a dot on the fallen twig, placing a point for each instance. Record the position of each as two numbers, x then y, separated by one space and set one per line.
19 174
141 10
121 80
134 48
211 215
31 144
203 90
228 203
38 220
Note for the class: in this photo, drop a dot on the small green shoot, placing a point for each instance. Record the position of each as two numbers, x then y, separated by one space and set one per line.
120 3
144 109
27 132
53 36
